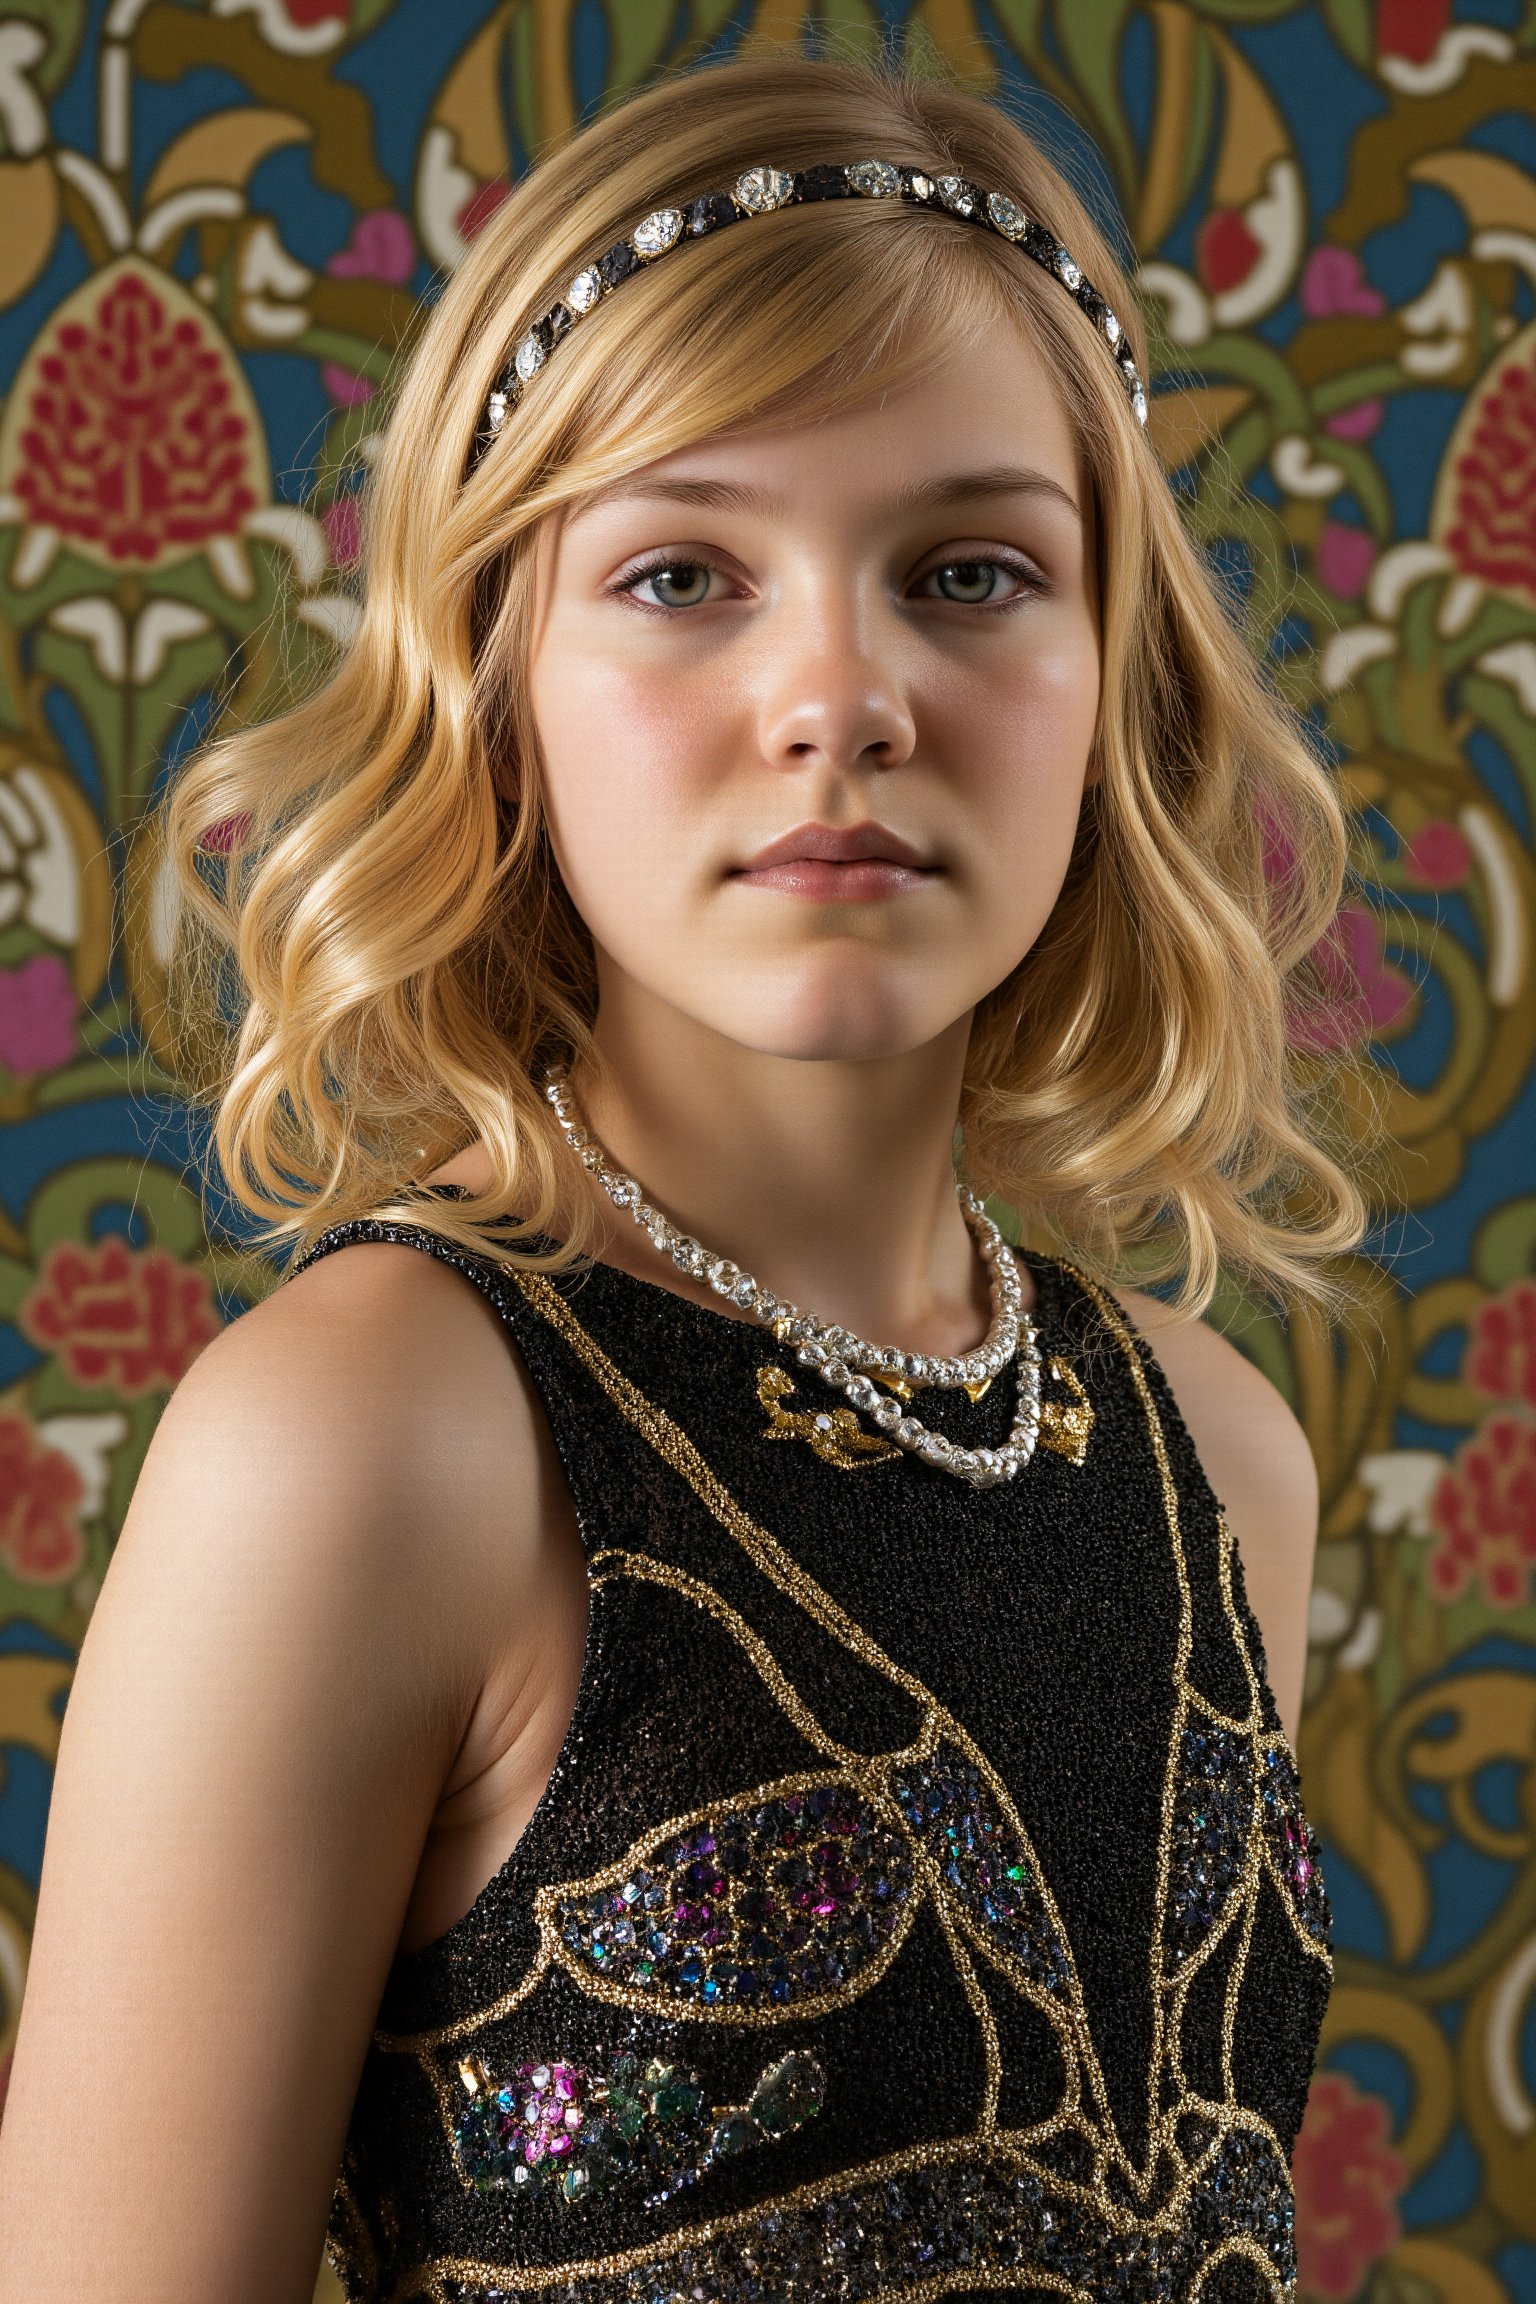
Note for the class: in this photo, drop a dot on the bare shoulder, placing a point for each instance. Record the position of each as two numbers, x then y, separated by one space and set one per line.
376 1393
289 1645
1258 1460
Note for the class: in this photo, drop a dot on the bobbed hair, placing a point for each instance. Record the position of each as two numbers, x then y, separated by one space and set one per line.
377 967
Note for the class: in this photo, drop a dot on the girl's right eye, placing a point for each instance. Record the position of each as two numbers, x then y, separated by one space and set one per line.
661 572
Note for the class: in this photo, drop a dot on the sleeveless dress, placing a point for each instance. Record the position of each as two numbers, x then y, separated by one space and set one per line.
921 1905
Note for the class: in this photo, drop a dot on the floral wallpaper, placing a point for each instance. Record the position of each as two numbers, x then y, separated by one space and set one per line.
217 220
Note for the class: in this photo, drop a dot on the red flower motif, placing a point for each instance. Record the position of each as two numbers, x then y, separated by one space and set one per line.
40 1494
131 441
1491 530
131 1318
1226 250
1348 2181
1501 1349
1484 1512
481 206
1411 28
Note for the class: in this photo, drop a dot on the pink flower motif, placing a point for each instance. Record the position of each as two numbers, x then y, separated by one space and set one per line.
228 833
1345 558
551 2109
345 387
1333 282
382 247
131 1318
1361 993
1357 423
1438 856
1348 2182
343 530
41 1492
38 1007
1500 1359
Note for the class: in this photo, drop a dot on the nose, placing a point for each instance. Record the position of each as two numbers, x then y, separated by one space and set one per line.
833 692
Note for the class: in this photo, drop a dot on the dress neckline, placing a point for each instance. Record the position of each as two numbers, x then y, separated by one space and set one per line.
1040 1268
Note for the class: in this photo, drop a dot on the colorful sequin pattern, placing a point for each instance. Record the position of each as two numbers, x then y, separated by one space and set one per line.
1212 1829
755 1907
883 2238
576 2134
1292 1843
987 1865
841 2031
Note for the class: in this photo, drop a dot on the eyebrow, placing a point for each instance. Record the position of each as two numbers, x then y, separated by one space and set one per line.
917 496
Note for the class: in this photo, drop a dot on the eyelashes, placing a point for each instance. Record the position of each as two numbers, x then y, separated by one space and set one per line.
670 563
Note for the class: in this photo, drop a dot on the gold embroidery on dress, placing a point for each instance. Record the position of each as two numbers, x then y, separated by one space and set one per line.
1065 1426
1118 2190
835 1433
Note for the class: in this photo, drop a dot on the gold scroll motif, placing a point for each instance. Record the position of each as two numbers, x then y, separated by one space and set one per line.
840 1440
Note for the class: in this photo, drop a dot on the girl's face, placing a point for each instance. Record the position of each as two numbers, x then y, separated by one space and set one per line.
816 707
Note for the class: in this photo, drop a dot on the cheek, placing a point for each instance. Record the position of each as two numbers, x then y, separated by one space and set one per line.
1020 754
623 752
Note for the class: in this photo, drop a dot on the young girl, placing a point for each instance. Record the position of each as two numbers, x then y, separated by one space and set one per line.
671 1704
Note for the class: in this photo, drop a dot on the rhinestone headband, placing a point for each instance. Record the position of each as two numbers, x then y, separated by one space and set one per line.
755 192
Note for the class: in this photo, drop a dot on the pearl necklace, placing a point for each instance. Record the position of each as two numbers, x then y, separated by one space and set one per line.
840 1358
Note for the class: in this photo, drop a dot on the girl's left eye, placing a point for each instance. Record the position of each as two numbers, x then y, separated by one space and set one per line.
980 567
970 571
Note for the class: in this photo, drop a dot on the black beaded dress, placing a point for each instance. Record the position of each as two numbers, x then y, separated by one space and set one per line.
921 1905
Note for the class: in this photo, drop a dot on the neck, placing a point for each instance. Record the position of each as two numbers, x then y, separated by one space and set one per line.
830 1181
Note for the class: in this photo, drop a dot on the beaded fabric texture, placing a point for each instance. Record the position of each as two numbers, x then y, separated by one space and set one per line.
759 191
922 1902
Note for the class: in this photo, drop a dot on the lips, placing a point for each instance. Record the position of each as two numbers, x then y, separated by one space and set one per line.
837 864
837 844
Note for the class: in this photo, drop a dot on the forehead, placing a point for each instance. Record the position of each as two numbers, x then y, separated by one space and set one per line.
983 419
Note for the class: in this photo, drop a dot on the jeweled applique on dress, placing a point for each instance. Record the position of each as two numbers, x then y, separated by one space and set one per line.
922 1903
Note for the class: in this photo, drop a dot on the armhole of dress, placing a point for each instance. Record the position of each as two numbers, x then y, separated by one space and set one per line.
1192 1486
425 1960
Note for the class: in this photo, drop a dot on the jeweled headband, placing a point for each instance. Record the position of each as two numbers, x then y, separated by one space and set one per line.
753 194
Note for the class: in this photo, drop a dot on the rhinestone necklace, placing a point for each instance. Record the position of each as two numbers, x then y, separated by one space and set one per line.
841 1359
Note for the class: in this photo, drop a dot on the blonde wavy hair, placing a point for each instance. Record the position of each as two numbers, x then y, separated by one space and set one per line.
377 969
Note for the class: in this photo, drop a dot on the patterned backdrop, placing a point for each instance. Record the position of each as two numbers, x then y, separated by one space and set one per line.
217 220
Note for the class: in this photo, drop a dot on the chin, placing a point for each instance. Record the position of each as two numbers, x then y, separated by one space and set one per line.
849 1017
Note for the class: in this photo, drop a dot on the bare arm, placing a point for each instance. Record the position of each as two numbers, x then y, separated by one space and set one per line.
282 1665
1258 1461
